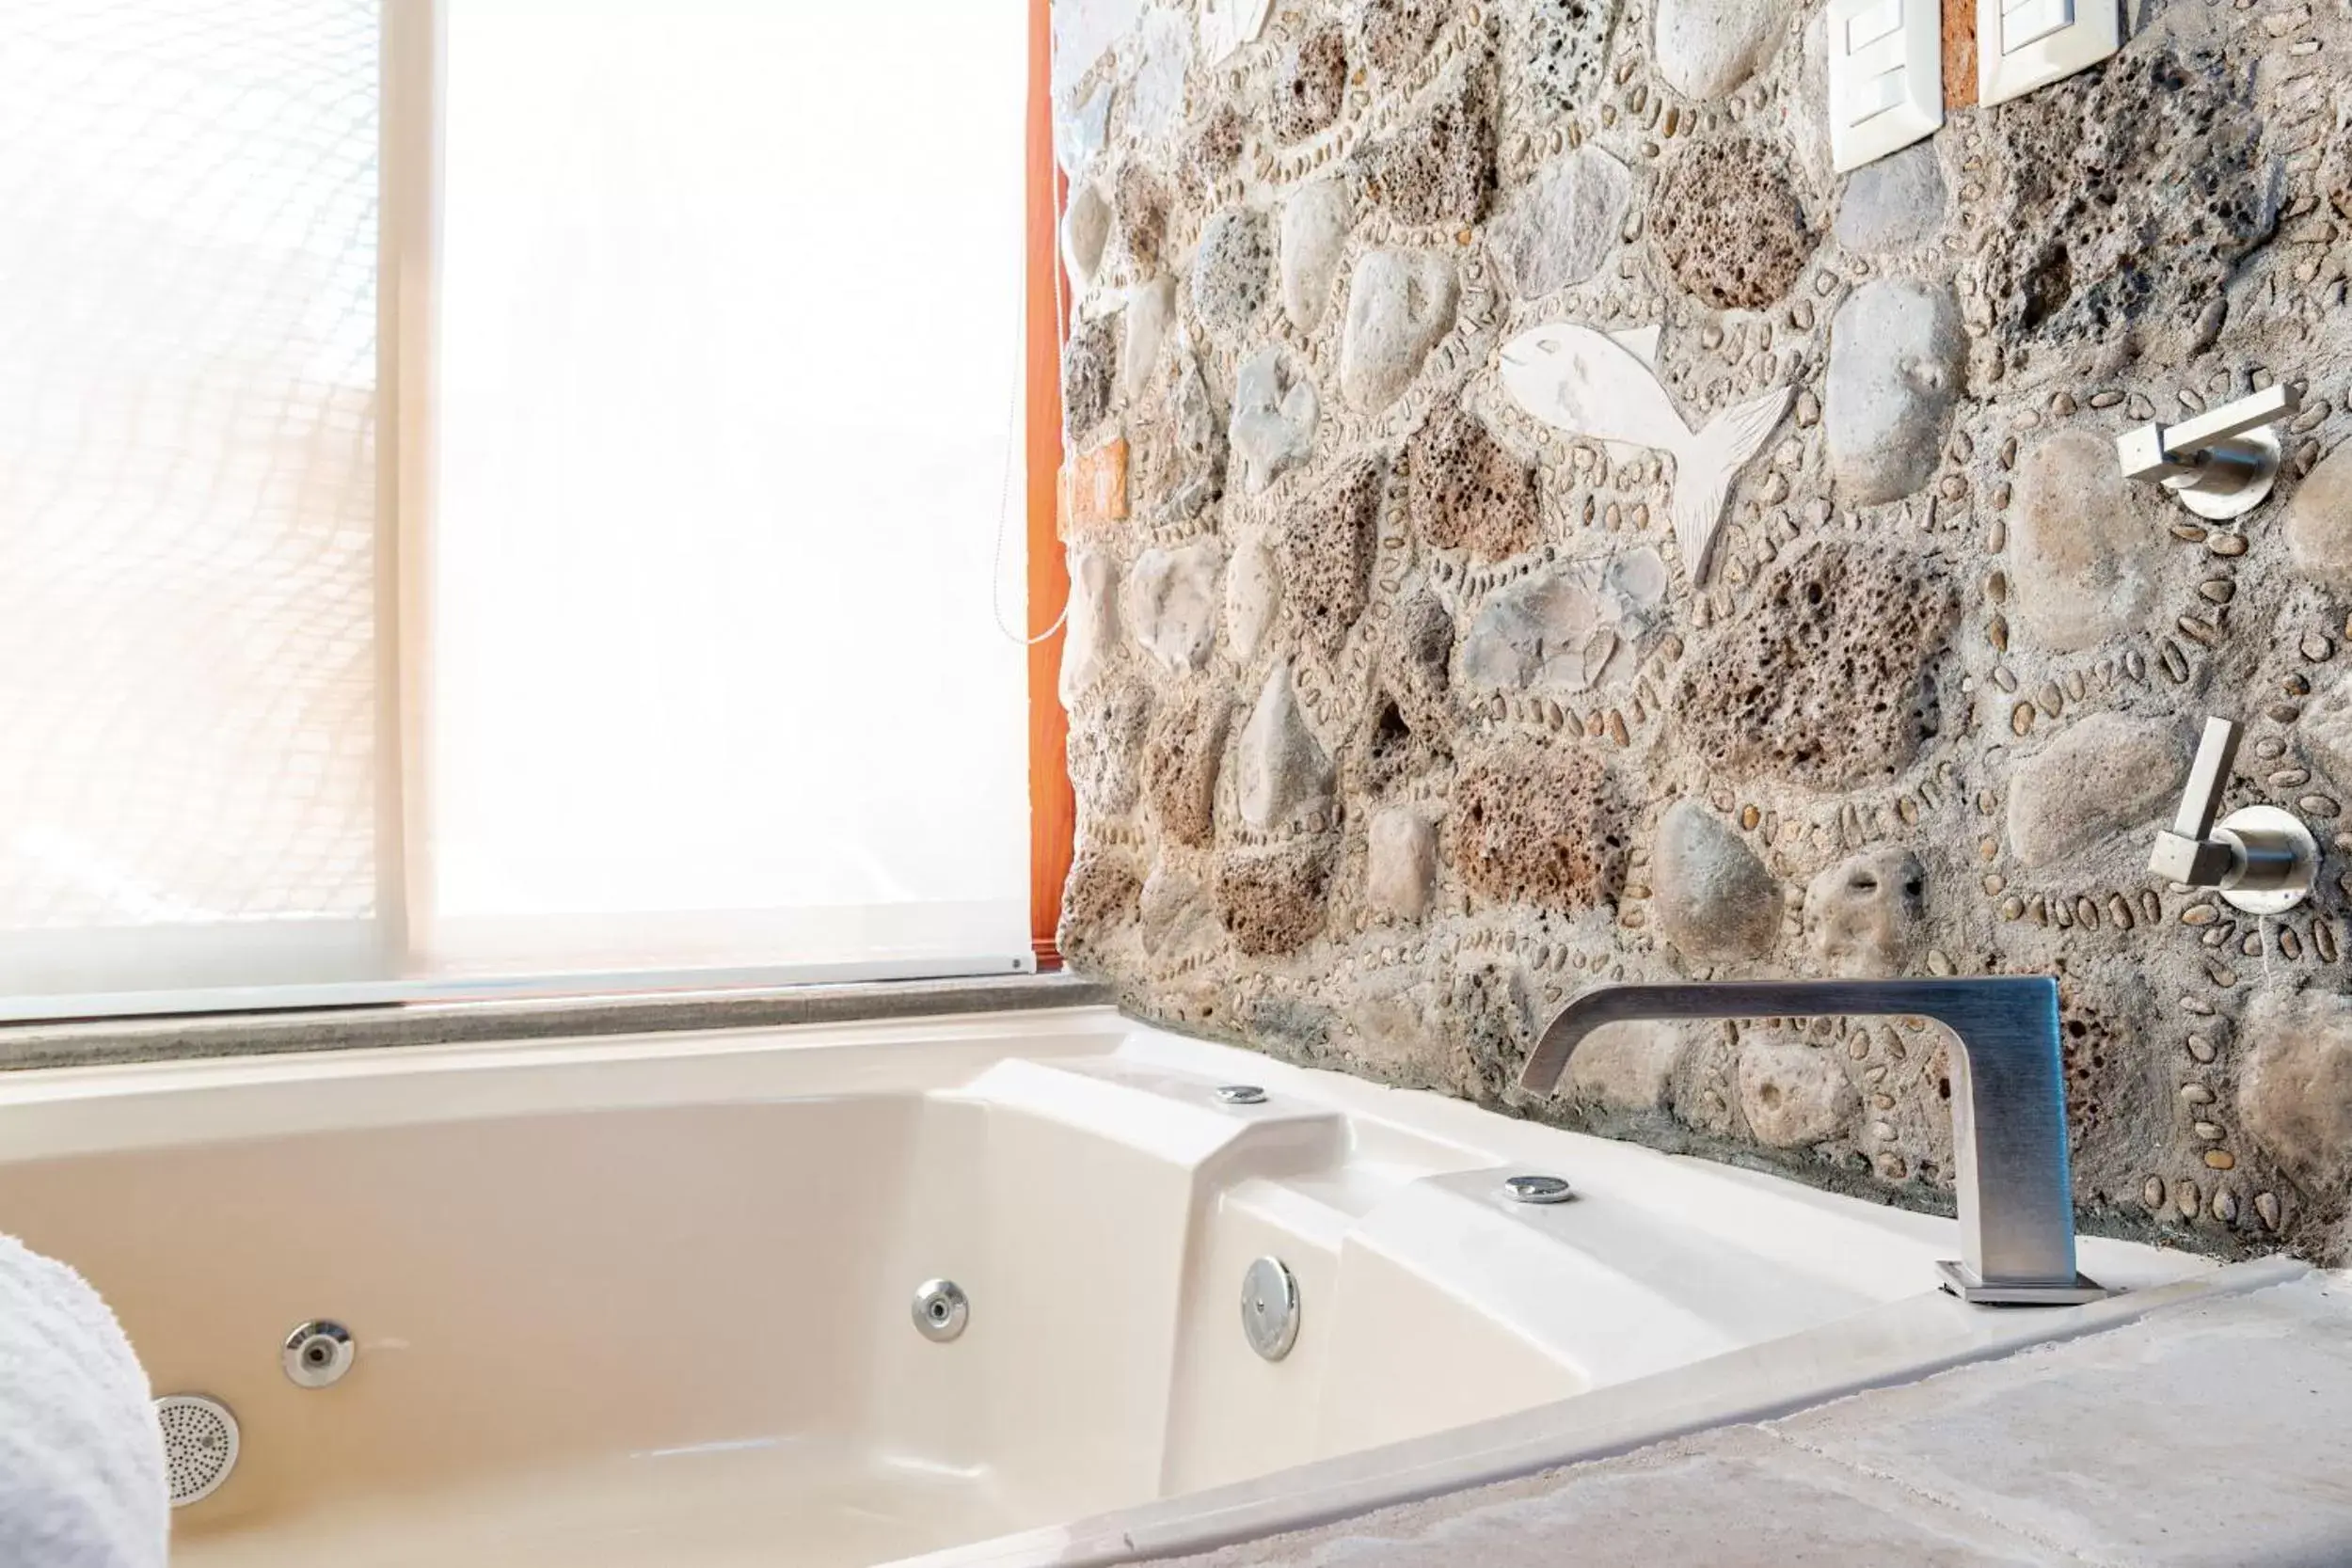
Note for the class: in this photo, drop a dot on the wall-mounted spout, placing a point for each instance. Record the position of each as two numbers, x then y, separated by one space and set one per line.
2008 1106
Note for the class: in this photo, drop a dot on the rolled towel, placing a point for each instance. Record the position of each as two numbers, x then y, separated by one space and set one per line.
81 1458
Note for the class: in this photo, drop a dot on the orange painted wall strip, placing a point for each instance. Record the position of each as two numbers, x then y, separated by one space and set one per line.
1053 805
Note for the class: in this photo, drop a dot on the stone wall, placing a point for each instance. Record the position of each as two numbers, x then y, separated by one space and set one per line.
1814 633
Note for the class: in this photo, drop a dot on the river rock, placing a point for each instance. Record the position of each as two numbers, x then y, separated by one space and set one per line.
1085 228
1253 597
1894 204
1274 417
1707 47
1171 602
1895 353
1150 311
2101 775
1399 304
1283 771
1400 864
1713 898
1092 632
1564 223
1793 1094
1627 1066
1570 628
1863 916
2319 523
1314 225
2295 1090
2083 551
2326 732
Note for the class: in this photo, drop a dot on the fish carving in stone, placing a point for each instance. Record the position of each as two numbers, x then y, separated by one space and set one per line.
1588 383
1227 25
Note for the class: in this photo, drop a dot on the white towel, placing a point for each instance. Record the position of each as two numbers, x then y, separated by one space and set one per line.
81 1457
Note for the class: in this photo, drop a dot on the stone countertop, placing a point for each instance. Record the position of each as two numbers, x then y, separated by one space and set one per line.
2214 1434
142 1040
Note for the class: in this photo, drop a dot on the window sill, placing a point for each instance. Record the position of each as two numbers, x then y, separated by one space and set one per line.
27 1047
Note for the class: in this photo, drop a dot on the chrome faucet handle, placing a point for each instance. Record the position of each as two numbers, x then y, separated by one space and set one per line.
2261 860
2222 463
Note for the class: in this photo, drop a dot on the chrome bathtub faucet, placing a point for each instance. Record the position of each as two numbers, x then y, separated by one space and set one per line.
2008 1106
2261 860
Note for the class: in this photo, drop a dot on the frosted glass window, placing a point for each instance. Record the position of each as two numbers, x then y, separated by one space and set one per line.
188 695
727 368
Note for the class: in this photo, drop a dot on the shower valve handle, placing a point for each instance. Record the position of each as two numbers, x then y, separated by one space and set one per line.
2221 464
2261 860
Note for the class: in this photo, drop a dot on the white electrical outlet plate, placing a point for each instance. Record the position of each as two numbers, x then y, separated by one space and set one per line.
2025 44
1885 77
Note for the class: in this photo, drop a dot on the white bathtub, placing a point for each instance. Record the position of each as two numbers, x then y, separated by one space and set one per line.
647 1301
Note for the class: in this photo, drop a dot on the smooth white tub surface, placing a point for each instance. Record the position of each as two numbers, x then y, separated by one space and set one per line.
647 1301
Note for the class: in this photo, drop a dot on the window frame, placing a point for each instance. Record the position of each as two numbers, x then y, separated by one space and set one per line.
413 55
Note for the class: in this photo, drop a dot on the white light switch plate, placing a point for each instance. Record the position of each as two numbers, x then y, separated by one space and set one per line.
1885 77
2025 44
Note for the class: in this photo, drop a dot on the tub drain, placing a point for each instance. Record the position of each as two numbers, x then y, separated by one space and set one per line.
199 1445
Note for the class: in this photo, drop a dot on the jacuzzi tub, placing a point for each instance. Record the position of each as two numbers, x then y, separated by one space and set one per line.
649 1301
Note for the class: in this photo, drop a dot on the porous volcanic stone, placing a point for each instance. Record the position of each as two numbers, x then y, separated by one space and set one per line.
1101 891
1729 224
1233 273
1326 551
2133 193
1180 758
1272 899
1562 46
1310 86
1438 167
1820 681
1216 147
1463 491
1089 370
1397 33
1140 216
1108 726
1538 825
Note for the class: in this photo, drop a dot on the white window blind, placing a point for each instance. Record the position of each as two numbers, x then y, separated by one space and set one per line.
189 697
698 639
